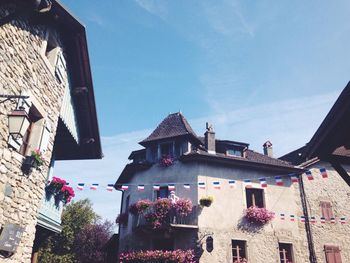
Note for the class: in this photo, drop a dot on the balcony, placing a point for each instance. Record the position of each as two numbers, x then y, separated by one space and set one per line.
49 216
172 220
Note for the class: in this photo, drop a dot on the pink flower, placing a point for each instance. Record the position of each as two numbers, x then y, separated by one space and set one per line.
258 215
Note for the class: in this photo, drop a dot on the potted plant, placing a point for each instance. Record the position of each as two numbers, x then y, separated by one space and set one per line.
55 186
258 215
140 206
166 160
35 160
183 206
206 201
122 219
65 195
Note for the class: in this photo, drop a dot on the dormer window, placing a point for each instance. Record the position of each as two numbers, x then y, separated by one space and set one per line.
166 149
234 152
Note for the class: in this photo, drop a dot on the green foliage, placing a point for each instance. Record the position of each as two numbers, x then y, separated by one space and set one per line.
60 248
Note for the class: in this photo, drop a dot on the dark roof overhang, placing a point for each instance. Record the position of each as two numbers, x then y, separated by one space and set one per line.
74 37
129 170
238 162
334 131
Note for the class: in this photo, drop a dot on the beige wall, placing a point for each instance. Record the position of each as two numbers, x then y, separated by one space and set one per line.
222 219
335 190
23 67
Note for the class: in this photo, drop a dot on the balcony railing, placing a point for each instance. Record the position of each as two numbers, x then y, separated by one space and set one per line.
173 219
50 213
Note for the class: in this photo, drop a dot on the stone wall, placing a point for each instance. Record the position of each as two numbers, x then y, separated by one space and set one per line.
23 67
335 190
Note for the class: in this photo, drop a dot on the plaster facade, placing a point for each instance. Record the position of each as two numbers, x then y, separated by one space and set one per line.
223 220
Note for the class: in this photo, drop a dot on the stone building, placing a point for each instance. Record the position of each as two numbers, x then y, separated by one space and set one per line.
234 175
328 196
46 103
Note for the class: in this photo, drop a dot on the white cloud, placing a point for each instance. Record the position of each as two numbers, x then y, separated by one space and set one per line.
154 7
288 124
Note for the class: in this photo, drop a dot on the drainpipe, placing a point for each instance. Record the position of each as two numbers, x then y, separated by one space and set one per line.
121 209
310 242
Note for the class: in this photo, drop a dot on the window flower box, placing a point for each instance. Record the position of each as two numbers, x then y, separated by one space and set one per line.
122 219
140 206
166 161
241 260
176 256
35 160
258 215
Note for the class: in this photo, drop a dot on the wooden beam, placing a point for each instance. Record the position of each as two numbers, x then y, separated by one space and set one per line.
341 171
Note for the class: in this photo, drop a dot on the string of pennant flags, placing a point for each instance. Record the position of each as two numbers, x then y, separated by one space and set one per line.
248 183
313 219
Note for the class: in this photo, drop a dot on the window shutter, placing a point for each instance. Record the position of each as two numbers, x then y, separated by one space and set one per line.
45 137
332 254
337 255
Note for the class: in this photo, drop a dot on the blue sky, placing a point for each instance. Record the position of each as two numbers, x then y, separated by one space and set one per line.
258 70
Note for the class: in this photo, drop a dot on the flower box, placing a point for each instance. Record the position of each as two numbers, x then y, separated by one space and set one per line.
176 256
166 161
258 215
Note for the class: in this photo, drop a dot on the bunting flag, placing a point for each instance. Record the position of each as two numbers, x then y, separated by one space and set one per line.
156 187
332 220
171 187
323 172
292 218
125 187
201 185
187 186
302 219
279 180
140 187
294 178
282 216
313 219
93 186
216 185
342 220
110 187
80 186
247 183
322 220
309 175
263 182
232 183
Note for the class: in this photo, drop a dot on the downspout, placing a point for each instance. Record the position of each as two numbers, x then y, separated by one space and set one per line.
121 209
312 253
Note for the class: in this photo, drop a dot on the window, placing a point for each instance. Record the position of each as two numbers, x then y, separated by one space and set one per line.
166 149
286 252
163 192
238 250
326 209
332 254
52 50
234 152
255 197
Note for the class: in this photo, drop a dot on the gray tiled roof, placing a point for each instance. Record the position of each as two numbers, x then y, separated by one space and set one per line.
173 125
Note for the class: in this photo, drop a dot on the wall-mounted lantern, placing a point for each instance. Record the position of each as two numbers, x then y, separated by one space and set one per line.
209 244
18 123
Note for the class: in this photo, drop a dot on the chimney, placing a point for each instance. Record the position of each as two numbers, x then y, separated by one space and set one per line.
209 138
268 149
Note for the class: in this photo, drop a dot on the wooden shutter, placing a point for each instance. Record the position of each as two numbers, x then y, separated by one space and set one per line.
332 254
326 209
